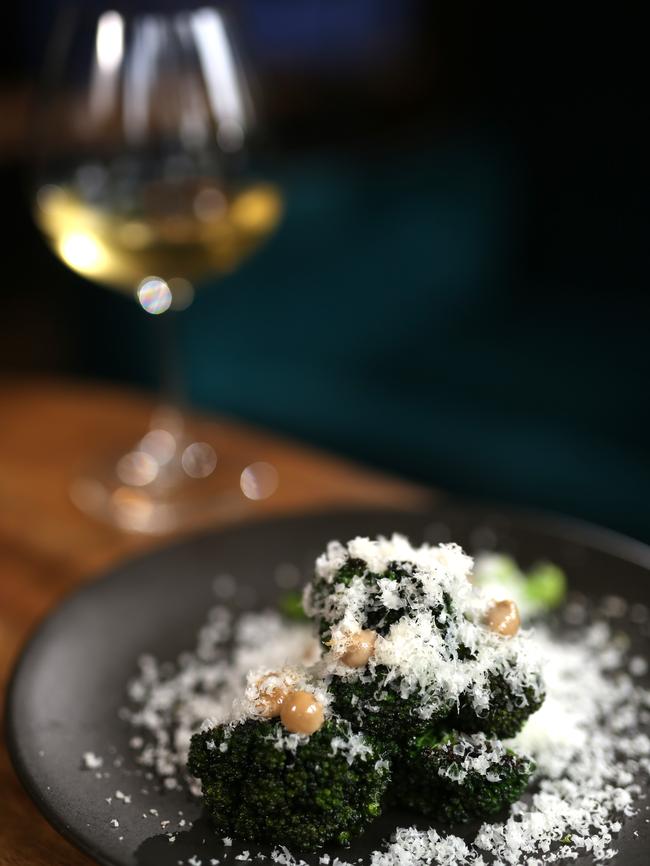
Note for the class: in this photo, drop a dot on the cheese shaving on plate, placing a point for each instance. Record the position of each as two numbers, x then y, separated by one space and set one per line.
590 739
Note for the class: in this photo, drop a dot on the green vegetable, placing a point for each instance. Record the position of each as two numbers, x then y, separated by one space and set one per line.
540 589
291 606
255 791
430 779
499 568
506 713
256 787
380 710
546 585
383 713
374 615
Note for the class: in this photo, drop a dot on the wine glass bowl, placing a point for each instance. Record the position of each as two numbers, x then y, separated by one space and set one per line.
186 229
142 149
144 183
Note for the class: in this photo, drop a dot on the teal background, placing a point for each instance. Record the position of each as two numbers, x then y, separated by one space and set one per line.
394 318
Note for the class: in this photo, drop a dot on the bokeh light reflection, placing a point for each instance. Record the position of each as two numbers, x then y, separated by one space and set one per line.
137 468
154 295
160 444
81 252
209 203
110 41
257 210
182 293
199 460
132 509
259 480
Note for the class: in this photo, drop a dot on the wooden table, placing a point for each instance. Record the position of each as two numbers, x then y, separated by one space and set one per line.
47 547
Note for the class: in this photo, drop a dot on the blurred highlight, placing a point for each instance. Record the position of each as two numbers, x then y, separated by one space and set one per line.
154 295
259 480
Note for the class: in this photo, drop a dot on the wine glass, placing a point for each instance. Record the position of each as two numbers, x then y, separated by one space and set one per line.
143 184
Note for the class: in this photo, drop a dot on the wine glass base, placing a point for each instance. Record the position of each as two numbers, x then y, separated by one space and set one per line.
171 501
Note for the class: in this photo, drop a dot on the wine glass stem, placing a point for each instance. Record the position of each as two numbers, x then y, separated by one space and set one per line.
172 379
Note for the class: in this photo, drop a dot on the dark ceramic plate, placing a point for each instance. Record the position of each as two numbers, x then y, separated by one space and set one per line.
69 682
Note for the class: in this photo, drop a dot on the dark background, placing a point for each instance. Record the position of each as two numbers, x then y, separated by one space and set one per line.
459 290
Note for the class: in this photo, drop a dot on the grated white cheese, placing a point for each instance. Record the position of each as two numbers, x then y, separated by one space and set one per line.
590 739
476 754
379 553
331 561
284 741
91 761
169 705
125 798
353 746
592 753
284 857
420 657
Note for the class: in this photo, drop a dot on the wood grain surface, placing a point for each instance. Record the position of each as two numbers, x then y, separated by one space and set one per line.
48 430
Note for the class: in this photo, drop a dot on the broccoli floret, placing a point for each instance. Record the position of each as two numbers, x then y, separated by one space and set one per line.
506 714
459 778
321 591
256 788
375 615
370 705
380 710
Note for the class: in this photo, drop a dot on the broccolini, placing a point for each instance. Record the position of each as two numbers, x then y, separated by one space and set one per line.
262 784
460 777
411 650
506 713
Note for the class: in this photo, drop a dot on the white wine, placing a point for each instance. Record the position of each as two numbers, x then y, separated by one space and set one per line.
189 230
